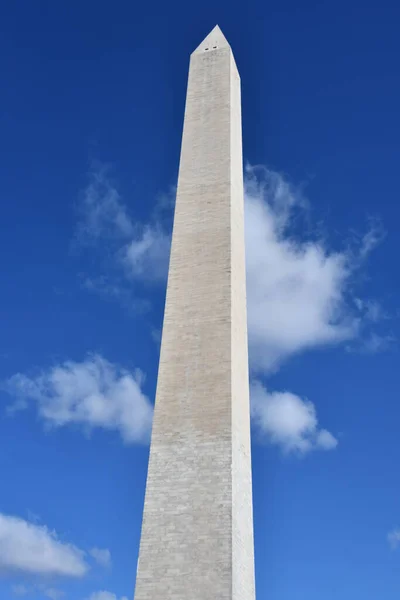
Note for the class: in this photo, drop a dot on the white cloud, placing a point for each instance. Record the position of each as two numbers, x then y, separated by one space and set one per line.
393 538
34 549
288 421
103 595
297 288
93 393
101 556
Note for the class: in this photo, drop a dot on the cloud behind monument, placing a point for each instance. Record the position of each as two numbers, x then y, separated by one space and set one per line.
300 295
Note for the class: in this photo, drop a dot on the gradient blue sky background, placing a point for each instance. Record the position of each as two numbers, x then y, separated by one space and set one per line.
91 111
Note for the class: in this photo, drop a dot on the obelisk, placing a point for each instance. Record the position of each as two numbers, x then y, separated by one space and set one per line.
197 532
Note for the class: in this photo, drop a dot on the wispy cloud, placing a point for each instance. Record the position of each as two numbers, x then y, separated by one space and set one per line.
371 310
117 288
103 595
371 239
139 251
102 556
372 343
34 549
51 592
44 590
393 538
102 214
94 393
147 255
288 421
19 589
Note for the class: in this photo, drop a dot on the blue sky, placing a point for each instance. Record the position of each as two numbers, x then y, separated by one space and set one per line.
91 113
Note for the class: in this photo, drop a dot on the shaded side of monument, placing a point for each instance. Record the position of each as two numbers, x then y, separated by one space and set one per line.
197 532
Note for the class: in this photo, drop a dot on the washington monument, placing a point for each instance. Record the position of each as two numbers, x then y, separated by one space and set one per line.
197 532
